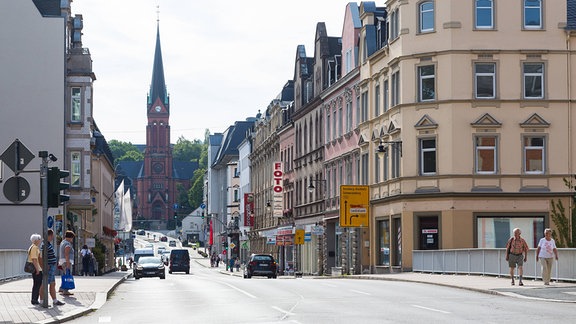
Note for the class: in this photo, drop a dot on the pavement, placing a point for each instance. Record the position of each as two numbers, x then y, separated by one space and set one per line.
91 293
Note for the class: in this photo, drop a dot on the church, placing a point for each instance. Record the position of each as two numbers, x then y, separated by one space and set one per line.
156 180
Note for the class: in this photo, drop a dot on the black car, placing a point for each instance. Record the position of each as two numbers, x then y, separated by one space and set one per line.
149 266
179 261
261 265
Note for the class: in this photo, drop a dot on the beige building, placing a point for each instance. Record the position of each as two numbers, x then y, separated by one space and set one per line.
476 131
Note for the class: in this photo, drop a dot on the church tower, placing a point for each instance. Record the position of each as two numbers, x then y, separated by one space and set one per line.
155 183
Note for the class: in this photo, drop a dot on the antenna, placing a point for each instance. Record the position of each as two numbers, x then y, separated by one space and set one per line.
158 13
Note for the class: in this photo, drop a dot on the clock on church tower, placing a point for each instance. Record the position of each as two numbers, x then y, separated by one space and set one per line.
158 167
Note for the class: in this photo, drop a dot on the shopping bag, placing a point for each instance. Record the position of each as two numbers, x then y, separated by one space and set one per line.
67 281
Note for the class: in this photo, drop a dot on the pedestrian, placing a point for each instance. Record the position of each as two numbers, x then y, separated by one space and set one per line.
231 265
546 251
86 255
237 264
212 259
34 257
516 254
51 258
218 258
66 254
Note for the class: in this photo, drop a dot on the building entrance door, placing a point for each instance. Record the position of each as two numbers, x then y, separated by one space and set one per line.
428 229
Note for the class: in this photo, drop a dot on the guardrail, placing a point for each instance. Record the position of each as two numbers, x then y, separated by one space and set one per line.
490 262
12 264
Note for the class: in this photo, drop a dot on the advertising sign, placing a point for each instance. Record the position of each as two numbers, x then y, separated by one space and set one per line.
278 188
249 209
354 206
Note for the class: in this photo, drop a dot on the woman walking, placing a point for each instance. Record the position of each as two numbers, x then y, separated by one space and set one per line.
34 257
546 252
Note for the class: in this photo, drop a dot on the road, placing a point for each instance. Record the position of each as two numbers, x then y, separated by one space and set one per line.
207 296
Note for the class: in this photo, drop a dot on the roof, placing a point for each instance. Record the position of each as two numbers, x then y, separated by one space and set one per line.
158 85
48 8
234 136
184 169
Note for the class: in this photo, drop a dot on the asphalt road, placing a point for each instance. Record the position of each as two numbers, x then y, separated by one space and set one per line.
207 296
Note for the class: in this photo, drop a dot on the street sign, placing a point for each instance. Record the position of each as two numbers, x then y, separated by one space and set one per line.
16 189
50 221
17 156
354 206
203 206
232 245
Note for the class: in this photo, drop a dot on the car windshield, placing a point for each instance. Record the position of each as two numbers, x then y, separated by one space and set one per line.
150 260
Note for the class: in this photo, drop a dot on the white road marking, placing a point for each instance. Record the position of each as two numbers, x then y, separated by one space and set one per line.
360 292
282 311
104 319
240 290
431 309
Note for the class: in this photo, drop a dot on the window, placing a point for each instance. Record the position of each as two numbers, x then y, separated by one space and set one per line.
493 231
533 80
393 25
484 14
75 169
76 105
534 154
334 124
485 78
428 156
533 14
340 130
384 242
395 157
364 106
236 195
328 138
377 100
386 96
364 168
426 83
385 167
426 16
348 116
486 154
357 120
395 88
376 168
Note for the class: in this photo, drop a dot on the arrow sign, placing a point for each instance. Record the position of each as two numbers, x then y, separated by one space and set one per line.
17 156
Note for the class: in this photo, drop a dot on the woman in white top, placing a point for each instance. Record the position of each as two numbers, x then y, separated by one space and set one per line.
546 251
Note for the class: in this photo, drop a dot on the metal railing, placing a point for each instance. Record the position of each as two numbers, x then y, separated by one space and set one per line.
12 264
490 262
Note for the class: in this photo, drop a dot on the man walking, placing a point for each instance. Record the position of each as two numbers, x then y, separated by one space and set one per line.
516 254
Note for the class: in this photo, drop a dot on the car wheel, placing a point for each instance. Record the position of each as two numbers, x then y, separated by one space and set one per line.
163 277
136 278
170 272
274 277
187 271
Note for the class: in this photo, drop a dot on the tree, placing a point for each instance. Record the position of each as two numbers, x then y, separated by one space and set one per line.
131 156
195 194
566 226
124 151
182 197
185 150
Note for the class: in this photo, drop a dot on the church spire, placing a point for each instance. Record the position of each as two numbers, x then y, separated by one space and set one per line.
158 85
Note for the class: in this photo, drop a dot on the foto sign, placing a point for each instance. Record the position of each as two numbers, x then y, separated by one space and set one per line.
354 206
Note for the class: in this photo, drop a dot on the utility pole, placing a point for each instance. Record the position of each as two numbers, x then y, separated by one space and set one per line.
44 199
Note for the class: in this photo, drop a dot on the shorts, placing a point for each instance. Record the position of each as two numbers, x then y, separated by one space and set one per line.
51 273
514 259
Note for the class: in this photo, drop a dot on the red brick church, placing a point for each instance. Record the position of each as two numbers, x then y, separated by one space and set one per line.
155 180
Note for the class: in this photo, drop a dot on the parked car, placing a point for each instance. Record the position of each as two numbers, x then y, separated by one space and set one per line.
261 265
163 239
166 257
161 249
141 232
172 243
149 266
179 261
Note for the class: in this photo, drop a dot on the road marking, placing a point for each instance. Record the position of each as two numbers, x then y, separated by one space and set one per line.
360 292
104 319
240 290
431 309
282 311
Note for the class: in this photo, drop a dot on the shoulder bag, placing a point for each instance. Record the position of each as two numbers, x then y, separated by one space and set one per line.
29 266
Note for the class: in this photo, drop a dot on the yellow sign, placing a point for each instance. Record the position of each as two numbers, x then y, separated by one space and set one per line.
299 237
354 206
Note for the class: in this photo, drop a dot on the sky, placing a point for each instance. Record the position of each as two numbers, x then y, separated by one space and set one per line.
223 60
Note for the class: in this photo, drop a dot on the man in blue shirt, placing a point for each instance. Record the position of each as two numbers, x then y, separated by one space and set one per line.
51 270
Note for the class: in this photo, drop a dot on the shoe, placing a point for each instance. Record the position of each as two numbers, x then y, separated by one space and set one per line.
512 282
547 283
35 302
58 303
520 283
66 293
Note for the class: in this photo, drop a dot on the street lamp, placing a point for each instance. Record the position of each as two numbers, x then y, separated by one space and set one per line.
383 147
311 187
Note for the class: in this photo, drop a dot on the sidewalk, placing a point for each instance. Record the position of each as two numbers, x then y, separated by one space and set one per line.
556 292
90 294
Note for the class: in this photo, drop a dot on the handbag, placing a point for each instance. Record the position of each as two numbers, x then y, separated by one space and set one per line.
67 281
29 266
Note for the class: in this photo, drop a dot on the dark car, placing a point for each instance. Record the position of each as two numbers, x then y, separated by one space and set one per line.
179 261
261 265
163 239
149 266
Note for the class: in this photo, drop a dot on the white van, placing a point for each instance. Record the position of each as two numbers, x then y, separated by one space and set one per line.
142 252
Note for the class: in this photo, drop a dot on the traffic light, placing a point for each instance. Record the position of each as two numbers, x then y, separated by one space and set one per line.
55 198
202 215
175 215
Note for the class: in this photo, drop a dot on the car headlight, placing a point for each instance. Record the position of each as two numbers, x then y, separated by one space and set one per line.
161 267
139 267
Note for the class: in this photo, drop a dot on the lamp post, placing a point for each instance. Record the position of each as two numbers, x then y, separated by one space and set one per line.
383 147
312 188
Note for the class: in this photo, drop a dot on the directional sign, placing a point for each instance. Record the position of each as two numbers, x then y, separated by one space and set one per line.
17 156
203 205
354 206
50 221
232 245
16 189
